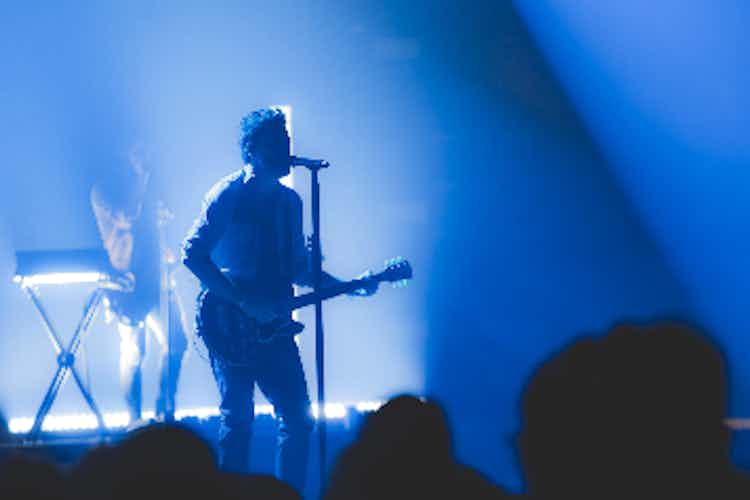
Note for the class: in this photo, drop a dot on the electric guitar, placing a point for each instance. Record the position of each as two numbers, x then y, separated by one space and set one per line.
233 333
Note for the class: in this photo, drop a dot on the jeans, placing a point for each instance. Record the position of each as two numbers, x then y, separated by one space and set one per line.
277 369
132 353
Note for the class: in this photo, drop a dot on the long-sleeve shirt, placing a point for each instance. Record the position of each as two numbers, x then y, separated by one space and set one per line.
247 241
127 217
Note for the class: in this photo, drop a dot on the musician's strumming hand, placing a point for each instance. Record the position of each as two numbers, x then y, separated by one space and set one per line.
369 288
257 311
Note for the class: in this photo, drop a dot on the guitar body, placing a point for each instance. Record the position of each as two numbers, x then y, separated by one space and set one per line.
232 335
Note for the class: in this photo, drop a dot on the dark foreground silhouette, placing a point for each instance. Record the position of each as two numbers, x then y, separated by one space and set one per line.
157 462
404 451
635 414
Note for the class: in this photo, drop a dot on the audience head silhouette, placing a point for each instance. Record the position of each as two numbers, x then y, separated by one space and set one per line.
22 477
637 413
171 460
404 451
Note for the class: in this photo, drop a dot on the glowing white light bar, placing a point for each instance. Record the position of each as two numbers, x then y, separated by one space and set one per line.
201 413
367 406
120 420
206 412
116 420
264 410
333 411
20 425
288 181
57 278
70 422
79 422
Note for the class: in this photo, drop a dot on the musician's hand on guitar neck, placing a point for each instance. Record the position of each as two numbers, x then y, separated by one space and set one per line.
371 286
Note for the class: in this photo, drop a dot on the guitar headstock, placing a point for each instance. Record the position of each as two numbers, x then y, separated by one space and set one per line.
397 271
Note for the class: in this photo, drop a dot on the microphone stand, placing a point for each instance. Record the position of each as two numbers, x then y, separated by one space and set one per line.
317 276
166 292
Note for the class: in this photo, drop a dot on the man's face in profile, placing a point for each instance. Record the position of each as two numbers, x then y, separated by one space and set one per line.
271 158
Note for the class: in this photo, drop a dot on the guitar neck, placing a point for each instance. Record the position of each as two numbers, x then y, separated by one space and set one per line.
326 293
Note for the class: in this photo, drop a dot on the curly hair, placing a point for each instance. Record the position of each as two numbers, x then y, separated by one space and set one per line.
256 126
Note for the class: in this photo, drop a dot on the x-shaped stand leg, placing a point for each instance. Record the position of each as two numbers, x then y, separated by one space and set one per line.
65 359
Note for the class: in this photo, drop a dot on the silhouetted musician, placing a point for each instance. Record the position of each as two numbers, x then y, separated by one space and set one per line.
127 211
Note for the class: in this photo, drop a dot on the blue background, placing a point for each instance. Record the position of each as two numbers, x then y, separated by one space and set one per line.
549 166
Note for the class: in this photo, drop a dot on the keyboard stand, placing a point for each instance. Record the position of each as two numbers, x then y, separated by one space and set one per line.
66 357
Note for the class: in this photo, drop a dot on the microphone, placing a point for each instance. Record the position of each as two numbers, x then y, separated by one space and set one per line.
300 161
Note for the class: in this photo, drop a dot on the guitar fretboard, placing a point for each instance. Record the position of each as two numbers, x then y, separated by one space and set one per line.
330 292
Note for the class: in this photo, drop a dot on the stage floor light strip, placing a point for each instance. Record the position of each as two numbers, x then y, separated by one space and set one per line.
121 420
57 279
